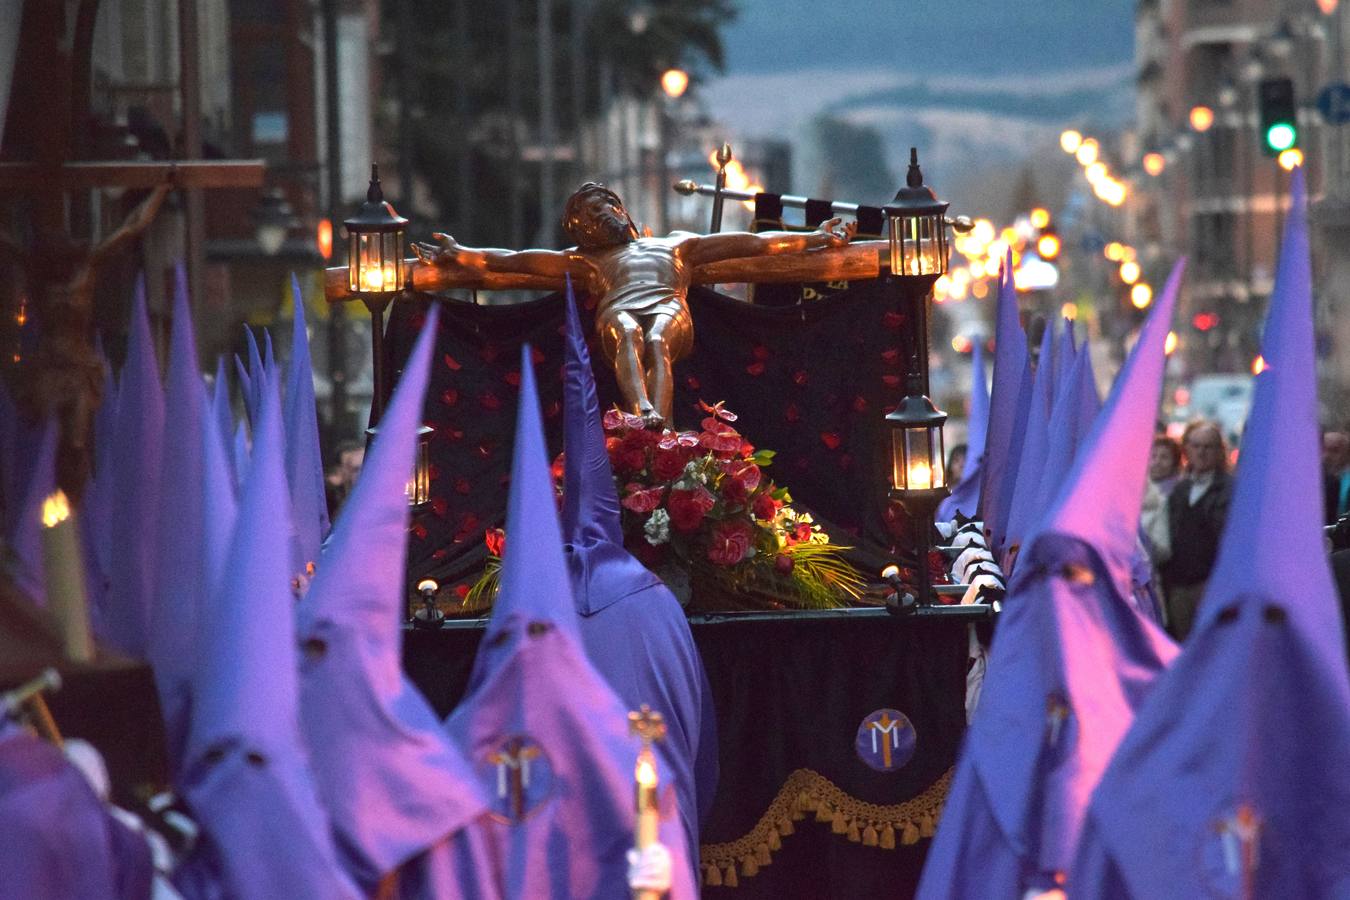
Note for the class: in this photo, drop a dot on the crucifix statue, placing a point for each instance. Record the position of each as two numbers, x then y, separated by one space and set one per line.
642 282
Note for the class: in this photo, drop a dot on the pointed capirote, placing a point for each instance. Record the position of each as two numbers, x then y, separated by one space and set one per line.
251 380
1009 403
1072 661
181 587
965 496
603 570
635 631
123 618
394 782
246 772
1233 776
1103 494
220 402
1035 443
534 697
304 461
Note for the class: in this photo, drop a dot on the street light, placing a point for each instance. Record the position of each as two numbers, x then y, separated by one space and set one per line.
918 475
375 271
675 82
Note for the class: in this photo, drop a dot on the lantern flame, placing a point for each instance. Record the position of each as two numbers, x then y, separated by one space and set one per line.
55 509
920 476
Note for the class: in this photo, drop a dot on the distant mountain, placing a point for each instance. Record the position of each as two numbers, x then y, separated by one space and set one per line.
963 126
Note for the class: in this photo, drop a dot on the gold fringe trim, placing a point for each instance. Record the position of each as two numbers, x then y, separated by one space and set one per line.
806 791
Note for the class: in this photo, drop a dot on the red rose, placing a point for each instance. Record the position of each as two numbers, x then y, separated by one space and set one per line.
730 542
640 499
802 532
632 455
668 464
495 538
688 507
765 506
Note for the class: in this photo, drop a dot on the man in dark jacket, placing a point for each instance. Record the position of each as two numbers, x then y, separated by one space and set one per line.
1196 511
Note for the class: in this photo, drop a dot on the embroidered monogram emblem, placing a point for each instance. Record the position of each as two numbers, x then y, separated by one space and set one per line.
885 740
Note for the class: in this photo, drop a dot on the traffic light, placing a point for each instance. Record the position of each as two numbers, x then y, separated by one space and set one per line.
1279 115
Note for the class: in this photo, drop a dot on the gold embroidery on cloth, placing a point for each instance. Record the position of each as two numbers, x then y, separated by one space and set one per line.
807 791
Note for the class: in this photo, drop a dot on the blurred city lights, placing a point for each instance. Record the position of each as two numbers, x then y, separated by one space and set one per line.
1290 159
1141 295
1048 246
1169 347
1096 172
1202 117
1040 217
1069 311
1070 140
1129 271
1259 365
1087 152
1114 251
674 82
1154 164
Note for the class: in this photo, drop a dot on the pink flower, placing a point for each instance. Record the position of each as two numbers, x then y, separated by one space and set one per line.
688 507
730 542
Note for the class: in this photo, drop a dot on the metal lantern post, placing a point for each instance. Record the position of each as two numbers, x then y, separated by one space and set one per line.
918 244
375 271
918 470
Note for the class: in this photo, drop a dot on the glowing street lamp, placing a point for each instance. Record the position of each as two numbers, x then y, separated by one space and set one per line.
1086 154
1141 295
675 82
1290 159
1154 164
1202 117
1070 141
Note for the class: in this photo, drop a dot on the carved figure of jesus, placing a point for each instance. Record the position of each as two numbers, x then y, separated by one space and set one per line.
642 283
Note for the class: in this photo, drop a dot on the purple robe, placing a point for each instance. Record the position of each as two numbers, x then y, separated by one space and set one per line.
546 735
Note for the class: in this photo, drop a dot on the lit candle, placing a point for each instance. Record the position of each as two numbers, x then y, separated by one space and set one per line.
920 476
64 571
648 726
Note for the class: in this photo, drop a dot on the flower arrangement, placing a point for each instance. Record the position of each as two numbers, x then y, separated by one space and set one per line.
700 501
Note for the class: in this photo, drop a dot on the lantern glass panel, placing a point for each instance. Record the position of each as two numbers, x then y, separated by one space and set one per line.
919 464
392 260
939 467
918 245
419 485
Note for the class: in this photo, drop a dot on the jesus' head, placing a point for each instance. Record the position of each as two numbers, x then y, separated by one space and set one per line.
594 217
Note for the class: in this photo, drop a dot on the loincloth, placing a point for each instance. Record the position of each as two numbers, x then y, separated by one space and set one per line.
644 302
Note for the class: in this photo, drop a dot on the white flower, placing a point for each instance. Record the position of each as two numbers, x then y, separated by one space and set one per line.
657 528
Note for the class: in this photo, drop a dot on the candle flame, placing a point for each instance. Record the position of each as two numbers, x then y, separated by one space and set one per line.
645 773
920 476
55 509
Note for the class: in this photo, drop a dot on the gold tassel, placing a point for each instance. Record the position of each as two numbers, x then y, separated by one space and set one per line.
775 843
854 834
926 828
749 868
762 854
786 827
731 880
714 877
838 824
887 837
822 813
869 836
910 834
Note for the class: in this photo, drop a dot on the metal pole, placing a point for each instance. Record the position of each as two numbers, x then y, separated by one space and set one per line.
377 308
544 50
517 197
464 149
190 92
337 312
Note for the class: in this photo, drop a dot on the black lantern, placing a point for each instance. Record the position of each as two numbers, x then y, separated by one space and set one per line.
918 231
917 461
418 488
376 272
375 245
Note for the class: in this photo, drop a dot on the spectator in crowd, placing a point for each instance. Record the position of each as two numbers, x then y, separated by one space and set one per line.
1336 467
1196 509
956 464
341 478
1164 470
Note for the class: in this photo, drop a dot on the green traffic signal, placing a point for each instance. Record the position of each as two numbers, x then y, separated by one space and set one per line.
1281 136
